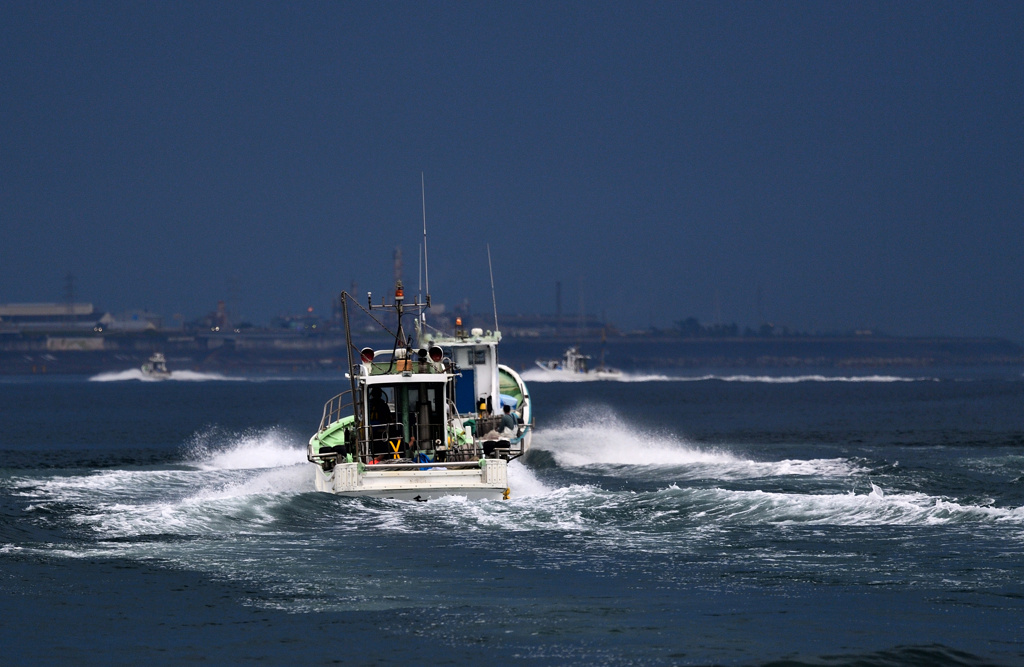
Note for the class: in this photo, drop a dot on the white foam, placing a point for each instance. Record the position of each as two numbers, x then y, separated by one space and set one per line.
607 441
121 376
655 515
296 478
538 375
850 509
559 509
233 480
178 376
195 376
523 482
793 379
597 436
267 448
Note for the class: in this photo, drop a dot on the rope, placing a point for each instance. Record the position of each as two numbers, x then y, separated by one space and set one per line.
370 315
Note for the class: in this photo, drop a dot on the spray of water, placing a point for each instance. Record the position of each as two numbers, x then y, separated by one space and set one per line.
597 438
214 449
230 485
176 376
539 375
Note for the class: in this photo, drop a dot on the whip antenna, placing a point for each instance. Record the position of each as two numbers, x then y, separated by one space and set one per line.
426 264
494 301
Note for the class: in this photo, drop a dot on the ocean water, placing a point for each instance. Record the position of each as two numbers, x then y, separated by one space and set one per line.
713 518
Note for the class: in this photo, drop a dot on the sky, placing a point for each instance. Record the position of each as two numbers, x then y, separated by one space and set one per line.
825 166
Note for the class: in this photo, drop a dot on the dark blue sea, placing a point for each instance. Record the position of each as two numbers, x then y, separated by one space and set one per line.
714 518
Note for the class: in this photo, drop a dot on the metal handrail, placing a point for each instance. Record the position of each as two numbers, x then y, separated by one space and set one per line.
334 408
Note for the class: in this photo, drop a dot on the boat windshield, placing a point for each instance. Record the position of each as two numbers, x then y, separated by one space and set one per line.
404 419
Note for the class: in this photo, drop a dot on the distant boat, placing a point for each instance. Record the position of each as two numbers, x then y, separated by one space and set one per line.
574 363
156 367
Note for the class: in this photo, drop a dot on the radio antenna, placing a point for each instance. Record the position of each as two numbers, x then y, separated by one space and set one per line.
494 301
426 264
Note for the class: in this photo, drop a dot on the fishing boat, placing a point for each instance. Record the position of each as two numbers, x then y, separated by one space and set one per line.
424 423
155 368
573 365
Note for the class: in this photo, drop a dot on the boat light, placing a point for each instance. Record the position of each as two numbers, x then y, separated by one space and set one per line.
366 355
436 353
422 354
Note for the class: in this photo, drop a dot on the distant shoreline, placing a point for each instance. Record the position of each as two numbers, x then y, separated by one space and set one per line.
264 351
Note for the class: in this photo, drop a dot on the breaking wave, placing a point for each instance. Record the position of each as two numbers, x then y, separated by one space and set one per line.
595 437
222 477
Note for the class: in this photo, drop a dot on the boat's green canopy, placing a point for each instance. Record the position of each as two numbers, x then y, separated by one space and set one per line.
333 435
509 387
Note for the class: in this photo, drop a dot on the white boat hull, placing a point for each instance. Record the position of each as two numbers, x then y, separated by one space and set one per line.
486 481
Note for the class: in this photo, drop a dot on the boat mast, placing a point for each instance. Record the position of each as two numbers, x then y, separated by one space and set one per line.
399 306
356 405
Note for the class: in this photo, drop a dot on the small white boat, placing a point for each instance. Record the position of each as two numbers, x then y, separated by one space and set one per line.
156 367
418 425
573 364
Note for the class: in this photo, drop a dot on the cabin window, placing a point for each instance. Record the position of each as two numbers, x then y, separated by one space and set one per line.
479 357
425 420
416 417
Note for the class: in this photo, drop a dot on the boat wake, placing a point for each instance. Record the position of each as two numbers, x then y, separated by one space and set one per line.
214 449
240 483
791 379
542 376
596 439
220 479
233 500
180 376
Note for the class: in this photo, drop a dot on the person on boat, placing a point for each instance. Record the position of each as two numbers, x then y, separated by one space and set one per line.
380 412
380 418
508 421
502 431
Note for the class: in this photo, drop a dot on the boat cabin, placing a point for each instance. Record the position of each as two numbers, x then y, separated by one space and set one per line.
405 419
475 355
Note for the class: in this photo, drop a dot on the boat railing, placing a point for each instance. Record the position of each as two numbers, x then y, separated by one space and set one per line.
431 443
387 444
451 457
389 439
336 408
